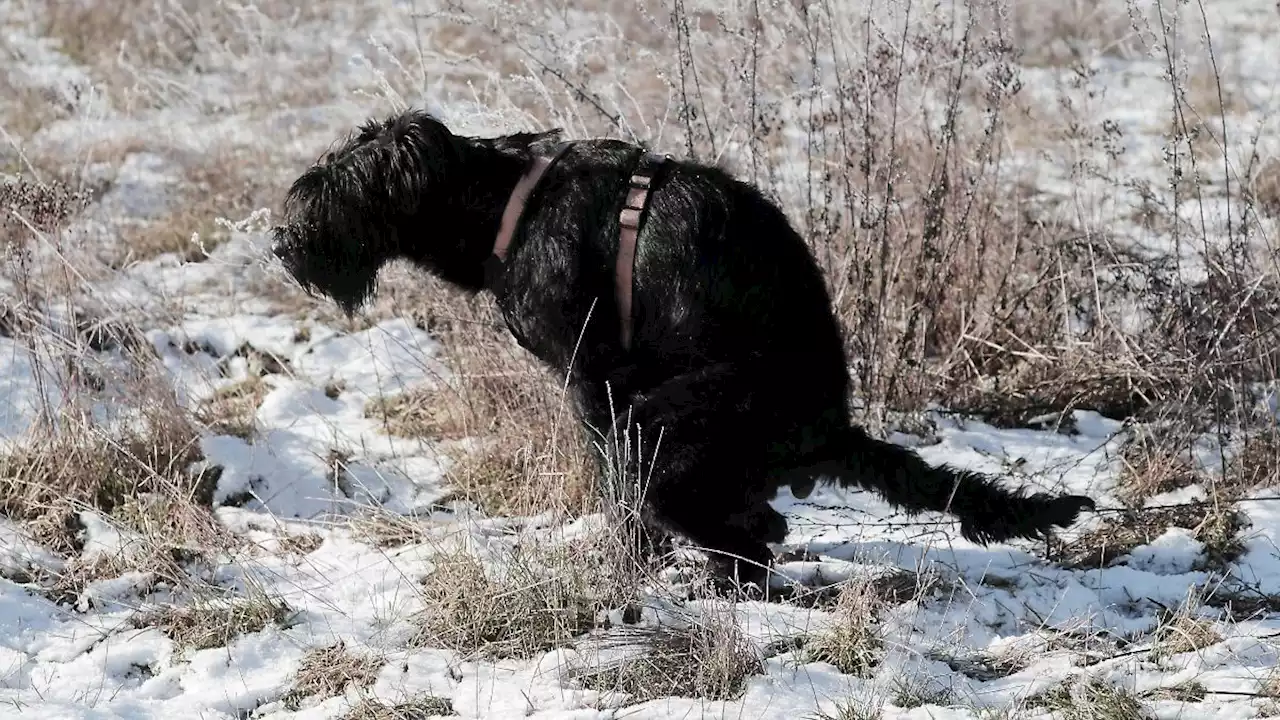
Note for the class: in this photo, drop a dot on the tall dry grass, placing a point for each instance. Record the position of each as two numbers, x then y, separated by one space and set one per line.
108 452
898 137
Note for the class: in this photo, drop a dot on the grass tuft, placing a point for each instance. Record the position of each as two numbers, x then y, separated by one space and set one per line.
852 643
327 672
1090 699
706 657
429 413
140 472
535 598
201 625
1217 528
1182 630
420 708
851 710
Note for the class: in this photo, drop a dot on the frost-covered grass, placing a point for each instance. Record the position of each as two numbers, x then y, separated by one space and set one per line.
1048 227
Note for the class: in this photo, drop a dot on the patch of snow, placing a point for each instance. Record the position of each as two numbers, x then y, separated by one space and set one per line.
27 390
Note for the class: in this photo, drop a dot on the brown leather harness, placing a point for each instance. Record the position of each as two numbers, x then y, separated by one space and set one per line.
630 219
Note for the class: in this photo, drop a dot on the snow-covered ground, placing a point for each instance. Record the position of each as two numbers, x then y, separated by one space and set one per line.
987 629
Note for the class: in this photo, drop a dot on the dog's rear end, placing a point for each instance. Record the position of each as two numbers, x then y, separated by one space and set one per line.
762 303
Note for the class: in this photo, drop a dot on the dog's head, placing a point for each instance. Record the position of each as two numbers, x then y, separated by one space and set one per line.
353 211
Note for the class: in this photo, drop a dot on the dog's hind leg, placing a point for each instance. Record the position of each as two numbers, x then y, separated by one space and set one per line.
712 438
703 495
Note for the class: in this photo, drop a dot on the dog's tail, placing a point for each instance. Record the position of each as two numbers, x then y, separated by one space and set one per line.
987 512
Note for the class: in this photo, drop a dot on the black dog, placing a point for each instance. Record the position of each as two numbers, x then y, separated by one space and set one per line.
737 358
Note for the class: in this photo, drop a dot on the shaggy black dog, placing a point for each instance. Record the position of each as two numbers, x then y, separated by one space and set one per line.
737 357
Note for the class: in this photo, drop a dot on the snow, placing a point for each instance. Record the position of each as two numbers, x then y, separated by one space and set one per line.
87 660
20 385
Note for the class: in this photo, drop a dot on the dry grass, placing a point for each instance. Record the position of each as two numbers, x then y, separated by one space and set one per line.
983 666
1186 634
110 439
1156 461
505 480
166 542
429 413
851 710
1217 527
417 709
1212 94
150 565
327 672
24 111
205 624
1270 686
1072 32
300 544
534 598
121 42
225 183
103 468
1091 699
1182 630
1190 691
163 515
707 657
231 409
853 643
914 693
387 529
1263 188
174 233
1256 465
532 456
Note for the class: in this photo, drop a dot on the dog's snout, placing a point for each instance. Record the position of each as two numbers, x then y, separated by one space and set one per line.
280 247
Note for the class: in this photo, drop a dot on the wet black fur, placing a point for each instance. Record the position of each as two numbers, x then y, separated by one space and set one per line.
737 355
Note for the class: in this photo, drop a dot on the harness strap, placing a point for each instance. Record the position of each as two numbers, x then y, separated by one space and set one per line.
514 211
630 219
